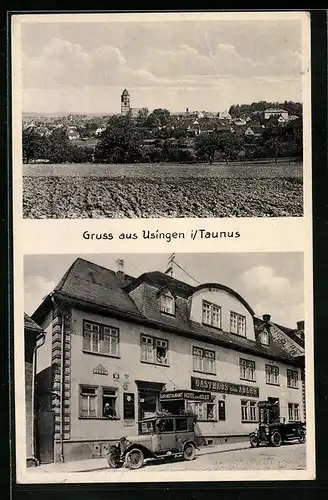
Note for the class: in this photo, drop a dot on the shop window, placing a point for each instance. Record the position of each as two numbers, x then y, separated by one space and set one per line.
293 412
154 350
292 379
247 369
181 424
88 401
203 360
249 411
211 314
237 324
167 303
101 339
272 374
204 411
108 403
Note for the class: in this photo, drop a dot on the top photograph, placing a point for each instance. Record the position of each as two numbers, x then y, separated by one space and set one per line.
161 115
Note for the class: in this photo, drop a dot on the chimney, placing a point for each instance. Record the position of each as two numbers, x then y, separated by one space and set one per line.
300 329
120 270
266 318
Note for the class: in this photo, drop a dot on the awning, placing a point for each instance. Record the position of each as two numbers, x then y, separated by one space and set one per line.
186 395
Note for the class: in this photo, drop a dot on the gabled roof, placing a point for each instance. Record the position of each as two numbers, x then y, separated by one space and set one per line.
31 325
91 287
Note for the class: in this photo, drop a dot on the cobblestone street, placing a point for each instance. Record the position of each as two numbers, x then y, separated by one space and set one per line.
287 457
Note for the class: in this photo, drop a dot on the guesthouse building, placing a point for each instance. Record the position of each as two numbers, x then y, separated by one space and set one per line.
121 348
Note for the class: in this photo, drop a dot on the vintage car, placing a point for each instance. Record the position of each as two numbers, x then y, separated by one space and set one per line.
274 431
159 437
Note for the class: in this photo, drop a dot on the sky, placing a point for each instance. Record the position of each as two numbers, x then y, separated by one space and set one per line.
272 283
203 65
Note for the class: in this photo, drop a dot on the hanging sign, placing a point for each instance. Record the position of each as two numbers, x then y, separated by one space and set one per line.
128 406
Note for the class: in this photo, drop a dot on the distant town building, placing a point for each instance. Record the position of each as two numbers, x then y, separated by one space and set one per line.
73 133
125 103
268 113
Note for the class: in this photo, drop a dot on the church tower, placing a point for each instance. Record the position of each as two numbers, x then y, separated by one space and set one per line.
125 102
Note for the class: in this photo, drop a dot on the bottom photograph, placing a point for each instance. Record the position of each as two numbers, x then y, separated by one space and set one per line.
162 363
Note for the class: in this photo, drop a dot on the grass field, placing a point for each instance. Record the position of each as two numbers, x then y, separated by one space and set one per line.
127 191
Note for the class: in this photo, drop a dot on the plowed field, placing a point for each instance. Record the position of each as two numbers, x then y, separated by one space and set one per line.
97 191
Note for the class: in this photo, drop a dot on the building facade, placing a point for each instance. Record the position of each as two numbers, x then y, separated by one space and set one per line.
119 349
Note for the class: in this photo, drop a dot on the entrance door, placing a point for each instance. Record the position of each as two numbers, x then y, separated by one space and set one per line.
148 404
275 412
45 436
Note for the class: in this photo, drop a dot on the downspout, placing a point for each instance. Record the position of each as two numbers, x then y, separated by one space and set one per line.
42 337
62 391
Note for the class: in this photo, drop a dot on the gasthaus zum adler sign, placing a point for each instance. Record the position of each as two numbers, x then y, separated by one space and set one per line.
204 384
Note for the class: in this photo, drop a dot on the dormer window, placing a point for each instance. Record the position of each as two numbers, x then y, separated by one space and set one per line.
237 324
264 337
211 314
167 303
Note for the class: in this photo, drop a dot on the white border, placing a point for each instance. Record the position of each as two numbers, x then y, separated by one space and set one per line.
258 234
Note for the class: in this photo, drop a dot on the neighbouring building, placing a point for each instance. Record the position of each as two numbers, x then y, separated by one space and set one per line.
268 113
120 348
33 338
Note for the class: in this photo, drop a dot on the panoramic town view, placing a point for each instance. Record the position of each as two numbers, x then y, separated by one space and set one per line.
214 130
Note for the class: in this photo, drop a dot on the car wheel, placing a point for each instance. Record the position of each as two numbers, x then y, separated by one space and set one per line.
301 437
134 459
254 442
276 439
114 460
189 452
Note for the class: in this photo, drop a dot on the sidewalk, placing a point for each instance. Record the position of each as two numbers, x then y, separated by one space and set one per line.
96 464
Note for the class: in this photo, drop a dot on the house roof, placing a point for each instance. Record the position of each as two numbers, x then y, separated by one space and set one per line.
31 325
274 110
92 287
88 281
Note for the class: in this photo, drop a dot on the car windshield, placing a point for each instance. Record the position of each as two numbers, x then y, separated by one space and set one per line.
147 427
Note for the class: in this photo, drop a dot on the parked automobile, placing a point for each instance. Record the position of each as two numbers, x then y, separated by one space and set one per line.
275 432
165 436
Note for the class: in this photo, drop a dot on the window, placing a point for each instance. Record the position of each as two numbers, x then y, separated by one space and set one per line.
292 379
203 360
181 424
109 403
88 399
154 350
247 369
211 314
204 411
100 338
272 374
237 324
167 304
248 411
98 402
293 412
166 425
